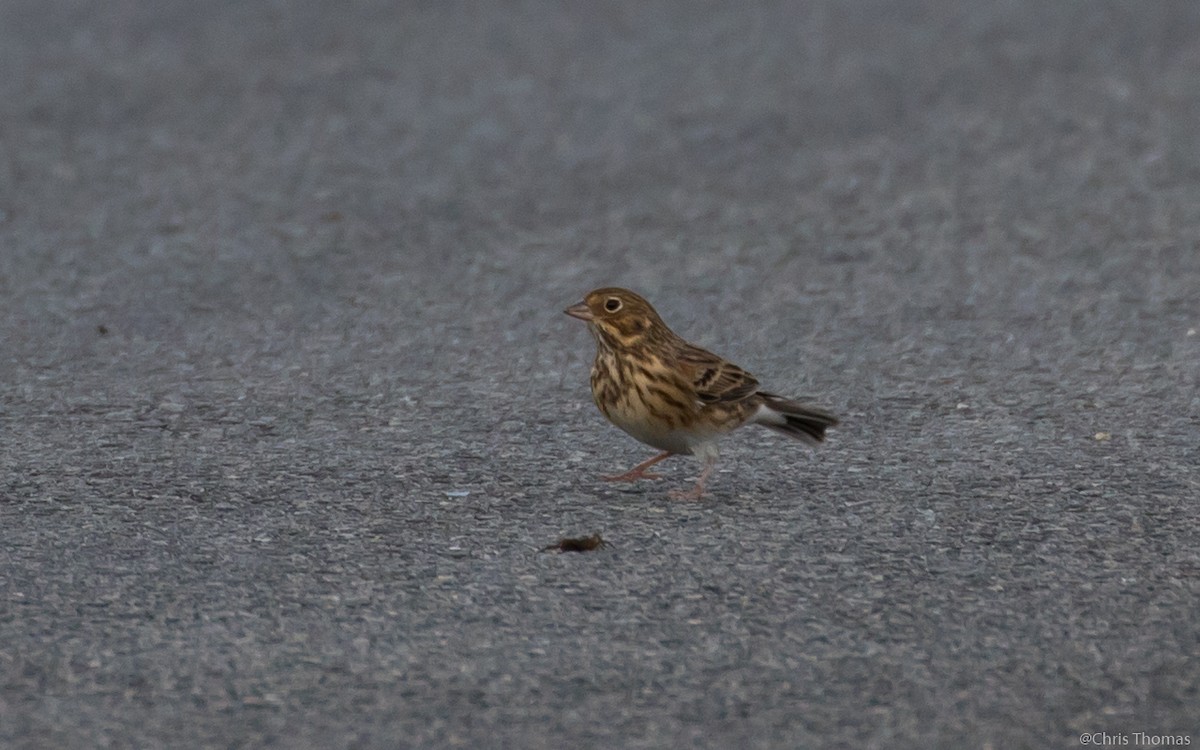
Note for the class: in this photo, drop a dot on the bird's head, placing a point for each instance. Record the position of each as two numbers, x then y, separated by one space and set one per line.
619 318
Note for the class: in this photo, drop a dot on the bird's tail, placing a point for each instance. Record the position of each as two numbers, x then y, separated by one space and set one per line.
792 418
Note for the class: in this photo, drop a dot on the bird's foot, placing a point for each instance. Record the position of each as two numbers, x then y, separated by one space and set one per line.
697 491
639 471
632 475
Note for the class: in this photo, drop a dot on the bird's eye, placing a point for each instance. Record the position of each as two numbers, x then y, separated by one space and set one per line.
612 304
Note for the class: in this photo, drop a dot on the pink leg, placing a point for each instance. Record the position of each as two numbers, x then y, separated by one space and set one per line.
639 471
695 493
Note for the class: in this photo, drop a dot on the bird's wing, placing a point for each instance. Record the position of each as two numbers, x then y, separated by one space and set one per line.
715 379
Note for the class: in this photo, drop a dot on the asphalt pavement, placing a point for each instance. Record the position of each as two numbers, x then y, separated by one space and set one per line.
289 407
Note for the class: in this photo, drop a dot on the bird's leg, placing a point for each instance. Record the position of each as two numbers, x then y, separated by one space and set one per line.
639 471
696 492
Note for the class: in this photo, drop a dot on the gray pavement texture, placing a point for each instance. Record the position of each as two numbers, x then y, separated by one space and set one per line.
289 404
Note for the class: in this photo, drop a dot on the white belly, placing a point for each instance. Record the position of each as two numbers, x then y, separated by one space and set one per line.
651 432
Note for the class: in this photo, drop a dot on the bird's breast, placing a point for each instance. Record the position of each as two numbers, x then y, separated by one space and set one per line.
644 400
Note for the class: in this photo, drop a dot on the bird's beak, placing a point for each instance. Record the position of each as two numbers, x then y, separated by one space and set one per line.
580 311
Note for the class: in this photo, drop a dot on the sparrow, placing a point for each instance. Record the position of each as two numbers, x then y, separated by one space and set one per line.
673 395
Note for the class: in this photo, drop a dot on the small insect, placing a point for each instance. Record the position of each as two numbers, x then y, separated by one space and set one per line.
578 544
